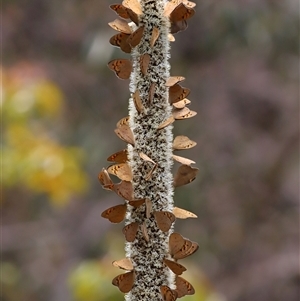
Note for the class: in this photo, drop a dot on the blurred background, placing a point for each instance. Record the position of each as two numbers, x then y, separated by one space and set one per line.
60 105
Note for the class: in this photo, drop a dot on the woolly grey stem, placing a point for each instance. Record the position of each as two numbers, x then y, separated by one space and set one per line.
147 257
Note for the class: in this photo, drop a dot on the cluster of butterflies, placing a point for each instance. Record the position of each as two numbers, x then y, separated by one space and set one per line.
178 11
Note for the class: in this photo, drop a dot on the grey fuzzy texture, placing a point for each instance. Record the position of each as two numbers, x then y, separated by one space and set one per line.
147 257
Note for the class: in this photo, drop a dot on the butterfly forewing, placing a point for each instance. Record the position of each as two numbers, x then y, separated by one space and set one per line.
183 160
167 122
130 231
183 142
120 10
137 101
148 207
121 170
181 103
185 174
135 38
175 267
124 264
134 5
146 158
121 67
183 251
123 121
183 214
176 242
144 63
124 189
121 26
151 93
144 231
115 214
124 132
177 93
171 81
119 157
178 26
164 220
133 16
181 12
184 113
124 281
105 179
168 294
183 287
136 202
154 36
120 40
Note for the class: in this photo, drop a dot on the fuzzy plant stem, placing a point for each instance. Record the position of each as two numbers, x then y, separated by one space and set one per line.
157 100
147 256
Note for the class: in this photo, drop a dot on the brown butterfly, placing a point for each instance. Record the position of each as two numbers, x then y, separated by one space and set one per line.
167 122
151 93
147 159
183 142
120 10
115 214
181 103
121 170
144 231
184 113
133 16
134 5
183 214
123 121
154 36
148 207
120 40
136 202
164 220
144 63
105 179
177 93
135 38
124 264
183 160
183 287
121 67
168 294
176 242
181 12
124 281
137 101
119 157
171 81
124 189
186 250
124 132
178 26
185 174
178 114
121 26
172 4
130 231
175 267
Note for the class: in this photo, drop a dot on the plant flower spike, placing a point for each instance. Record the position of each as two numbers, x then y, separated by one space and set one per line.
145 29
